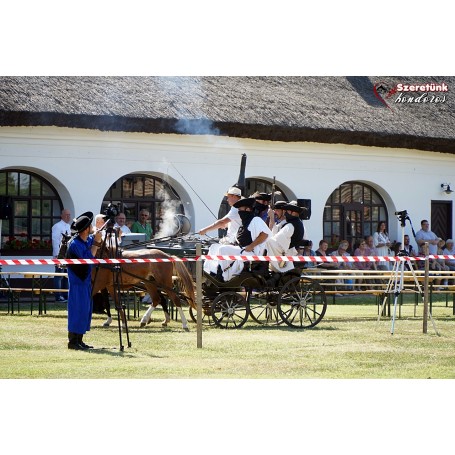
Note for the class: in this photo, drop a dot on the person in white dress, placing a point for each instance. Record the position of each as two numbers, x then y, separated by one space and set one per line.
382 244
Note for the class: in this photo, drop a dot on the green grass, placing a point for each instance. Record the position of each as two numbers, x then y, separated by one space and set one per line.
348 343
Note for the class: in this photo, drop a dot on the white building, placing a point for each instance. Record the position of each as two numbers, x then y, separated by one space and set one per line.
350 145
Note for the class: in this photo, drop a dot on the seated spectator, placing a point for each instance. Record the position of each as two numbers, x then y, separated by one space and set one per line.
322 251
449 250
306 249
120 221
343 251
362 250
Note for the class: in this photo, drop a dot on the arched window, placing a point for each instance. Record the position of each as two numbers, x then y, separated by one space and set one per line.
36 206
135 192
352 212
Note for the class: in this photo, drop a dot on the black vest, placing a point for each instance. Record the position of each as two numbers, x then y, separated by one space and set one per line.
299 231
244 236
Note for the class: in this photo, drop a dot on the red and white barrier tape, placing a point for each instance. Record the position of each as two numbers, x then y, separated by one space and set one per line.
229 258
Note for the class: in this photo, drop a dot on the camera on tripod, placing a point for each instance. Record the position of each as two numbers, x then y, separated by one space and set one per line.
402 216
111 212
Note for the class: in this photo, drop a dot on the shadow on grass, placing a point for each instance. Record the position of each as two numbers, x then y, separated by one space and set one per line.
284 328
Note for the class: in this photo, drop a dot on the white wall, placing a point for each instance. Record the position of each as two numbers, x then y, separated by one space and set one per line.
82 165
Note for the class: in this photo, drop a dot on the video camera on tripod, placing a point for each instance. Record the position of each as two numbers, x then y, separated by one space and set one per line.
111 212
402 216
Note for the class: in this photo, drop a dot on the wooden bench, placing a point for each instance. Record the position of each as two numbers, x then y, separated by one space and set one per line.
378 283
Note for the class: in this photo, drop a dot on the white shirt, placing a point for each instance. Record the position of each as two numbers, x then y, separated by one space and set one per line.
234 222
58 229
427 235
125 229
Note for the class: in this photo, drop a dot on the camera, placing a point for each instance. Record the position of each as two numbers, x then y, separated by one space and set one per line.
403 213
111 212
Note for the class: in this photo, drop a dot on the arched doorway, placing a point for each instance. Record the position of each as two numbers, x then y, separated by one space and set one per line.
352 212
35 207
135 192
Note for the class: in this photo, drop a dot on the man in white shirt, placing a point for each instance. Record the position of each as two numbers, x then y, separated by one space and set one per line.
425 235
287 238
59 228
120 221
232 220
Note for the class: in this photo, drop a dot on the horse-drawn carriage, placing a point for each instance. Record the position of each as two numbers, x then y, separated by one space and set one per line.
294 300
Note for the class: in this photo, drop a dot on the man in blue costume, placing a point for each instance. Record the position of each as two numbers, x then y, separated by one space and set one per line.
82 246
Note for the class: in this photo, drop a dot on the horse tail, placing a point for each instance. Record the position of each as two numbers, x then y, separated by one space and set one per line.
186 281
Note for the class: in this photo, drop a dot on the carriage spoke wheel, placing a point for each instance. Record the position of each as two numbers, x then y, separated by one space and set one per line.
264 309
229 310
302 303
206 314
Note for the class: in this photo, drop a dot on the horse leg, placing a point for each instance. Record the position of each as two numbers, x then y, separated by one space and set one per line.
164 305
147 317
176 301
107 307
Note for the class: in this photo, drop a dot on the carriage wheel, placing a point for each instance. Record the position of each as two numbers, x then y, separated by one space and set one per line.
206 315
264 308
229 310
302 303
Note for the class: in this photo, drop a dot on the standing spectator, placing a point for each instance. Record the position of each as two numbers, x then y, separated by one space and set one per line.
58 229
83 246
382 244
141 226
120 221
425 235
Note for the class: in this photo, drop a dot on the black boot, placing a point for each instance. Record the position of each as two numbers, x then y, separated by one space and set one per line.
73 341
82 344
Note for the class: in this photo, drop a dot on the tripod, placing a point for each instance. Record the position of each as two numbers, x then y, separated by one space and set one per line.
396 281
110 238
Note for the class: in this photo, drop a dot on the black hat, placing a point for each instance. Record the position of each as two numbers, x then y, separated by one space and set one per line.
81 223
280 204
293 206
263 196
245 202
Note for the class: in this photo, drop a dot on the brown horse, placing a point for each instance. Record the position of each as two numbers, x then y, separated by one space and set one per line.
155 277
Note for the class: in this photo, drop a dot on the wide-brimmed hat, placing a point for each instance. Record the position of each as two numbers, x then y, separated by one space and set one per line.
263 196
280 205
234 191
245 202
81 223
293 206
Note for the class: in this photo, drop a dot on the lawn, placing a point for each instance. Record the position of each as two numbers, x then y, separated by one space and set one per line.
349 343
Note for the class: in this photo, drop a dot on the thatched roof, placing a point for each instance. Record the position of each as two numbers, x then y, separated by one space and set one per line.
318 109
